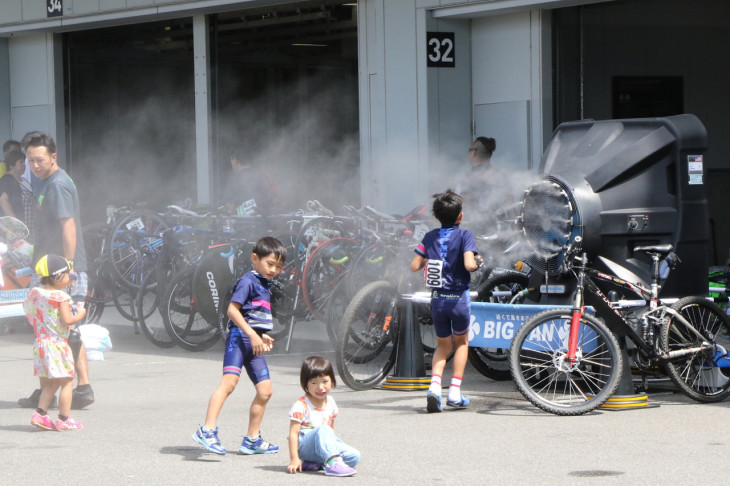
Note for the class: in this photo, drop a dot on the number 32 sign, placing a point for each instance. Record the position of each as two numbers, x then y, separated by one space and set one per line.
54 8
440 49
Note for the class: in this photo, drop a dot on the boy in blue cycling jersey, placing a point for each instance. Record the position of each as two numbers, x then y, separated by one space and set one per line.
250 317
447 255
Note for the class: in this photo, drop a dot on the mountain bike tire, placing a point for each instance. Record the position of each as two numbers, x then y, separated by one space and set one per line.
494 362
697 374
545 377
364 362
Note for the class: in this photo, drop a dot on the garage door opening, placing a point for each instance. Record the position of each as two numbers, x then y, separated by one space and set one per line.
284 97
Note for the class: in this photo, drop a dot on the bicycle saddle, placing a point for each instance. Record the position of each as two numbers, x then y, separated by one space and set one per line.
661 249
183 211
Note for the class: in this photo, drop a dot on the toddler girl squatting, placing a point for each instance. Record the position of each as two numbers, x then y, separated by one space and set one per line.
313 444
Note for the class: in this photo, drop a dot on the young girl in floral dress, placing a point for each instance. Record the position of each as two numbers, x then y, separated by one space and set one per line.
48 309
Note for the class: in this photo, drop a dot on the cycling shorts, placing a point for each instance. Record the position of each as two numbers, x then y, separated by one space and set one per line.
450 312
239 354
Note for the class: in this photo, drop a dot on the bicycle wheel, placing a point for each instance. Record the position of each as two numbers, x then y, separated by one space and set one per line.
150 318
96 295
326 267
697 373
367 341
134 245
369 265
182 320
124 301
286 301
334 310
548 380
214 278
94 304
312 234
501 288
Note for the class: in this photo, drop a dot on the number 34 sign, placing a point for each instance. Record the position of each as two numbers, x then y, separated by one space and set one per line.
54 8
440 49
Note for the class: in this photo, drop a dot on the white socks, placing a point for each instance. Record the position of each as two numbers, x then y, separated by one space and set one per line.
455 389
435 385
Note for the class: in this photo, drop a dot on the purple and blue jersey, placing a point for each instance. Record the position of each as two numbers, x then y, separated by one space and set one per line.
253 292
448 244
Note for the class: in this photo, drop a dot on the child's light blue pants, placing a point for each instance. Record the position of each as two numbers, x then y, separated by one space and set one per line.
321 443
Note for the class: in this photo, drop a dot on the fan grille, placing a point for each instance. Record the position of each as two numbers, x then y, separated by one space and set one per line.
550 221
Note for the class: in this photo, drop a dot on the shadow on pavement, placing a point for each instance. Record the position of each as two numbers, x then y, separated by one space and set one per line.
279 469
191 453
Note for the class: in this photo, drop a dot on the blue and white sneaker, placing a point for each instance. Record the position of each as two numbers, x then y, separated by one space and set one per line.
209 440
433 402
463 402
257 446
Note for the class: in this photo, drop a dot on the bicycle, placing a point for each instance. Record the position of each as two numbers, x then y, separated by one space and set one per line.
181 248
568 362
104 286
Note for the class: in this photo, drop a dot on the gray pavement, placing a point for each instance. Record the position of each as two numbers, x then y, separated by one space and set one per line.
150 400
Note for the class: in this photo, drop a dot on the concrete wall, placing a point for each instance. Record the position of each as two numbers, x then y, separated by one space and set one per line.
4 91
448 102
416 121
32 87
511 71
390 175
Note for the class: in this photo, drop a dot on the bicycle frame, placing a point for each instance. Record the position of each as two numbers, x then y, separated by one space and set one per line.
587 292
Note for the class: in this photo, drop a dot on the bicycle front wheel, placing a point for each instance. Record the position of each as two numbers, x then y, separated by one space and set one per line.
182 320
134 246
696 372
367 338
545 376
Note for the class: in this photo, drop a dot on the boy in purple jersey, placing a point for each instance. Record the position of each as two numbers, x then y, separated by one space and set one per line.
249 316
447 255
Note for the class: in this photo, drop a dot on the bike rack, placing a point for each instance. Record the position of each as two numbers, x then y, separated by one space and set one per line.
410 369
625 396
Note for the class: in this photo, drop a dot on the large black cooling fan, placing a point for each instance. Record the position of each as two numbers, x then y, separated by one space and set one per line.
550 222
610 186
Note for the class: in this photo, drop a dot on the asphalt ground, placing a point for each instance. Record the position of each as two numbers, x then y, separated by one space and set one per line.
150 400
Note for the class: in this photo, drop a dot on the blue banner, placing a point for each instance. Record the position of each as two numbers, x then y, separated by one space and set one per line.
494 325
